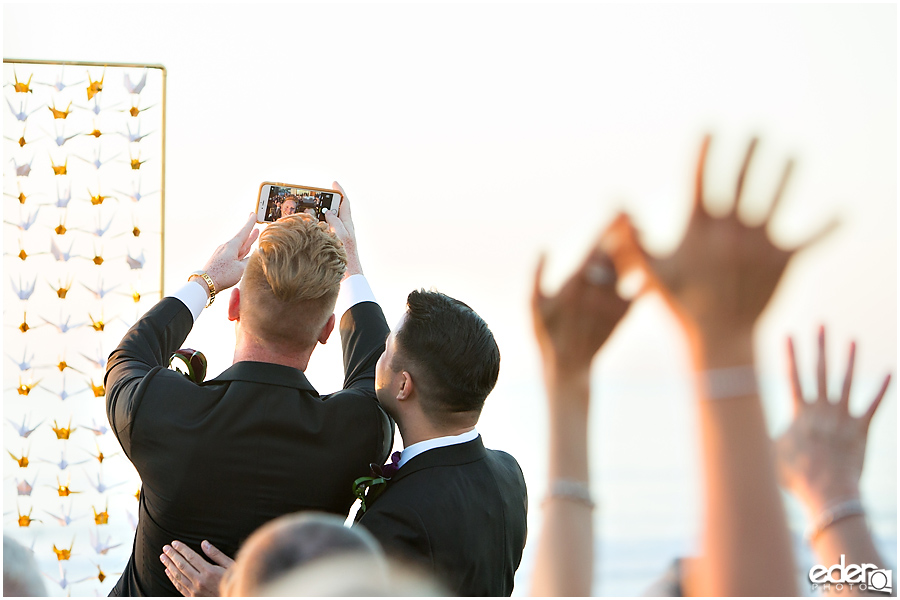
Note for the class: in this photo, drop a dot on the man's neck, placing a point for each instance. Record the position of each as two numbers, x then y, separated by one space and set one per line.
418 428
249 349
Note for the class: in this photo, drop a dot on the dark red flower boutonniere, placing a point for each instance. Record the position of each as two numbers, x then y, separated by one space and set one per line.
190 363
369 488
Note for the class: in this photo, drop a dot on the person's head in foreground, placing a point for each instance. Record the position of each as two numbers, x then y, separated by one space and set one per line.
20 573
354 575
285 303
438 366
293 540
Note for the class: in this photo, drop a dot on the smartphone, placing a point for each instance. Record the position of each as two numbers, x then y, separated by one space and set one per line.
278 200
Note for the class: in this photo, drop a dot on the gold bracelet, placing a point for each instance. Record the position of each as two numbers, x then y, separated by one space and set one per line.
209 284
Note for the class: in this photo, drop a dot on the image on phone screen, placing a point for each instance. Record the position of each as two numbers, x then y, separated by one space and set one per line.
284 201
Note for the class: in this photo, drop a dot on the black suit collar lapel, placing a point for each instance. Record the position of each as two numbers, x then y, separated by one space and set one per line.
272 374
445 456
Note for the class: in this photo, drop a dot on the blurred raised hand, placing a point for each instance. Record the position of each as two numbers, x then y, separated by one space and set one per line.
820 456
722 275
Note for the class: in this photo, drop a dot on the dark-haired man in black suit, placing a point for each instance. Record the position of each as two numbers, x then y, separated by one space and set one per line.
453 507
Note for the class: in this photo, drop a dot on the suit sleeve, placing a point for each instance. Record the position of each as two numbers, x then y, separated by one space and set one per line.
363 334
401 532
143 351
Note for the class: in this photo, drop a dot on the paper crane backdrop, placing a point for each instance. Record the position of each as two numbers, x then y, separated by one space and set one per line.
82 257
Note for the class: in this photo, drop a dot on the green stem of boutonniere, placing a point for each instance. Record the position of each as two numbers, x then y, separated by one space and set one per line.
363 484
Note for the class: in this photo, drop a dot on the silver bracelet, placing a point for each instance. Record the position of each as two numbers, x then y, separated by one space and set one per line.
833 514
570 489
734 382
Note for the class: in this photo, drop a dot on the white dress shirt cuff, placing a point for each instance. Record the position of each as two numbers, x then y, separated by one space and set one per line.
354 289
193 295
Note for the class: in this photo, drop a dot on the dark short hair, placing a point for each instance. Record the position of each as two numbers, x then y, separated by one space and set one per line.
451 351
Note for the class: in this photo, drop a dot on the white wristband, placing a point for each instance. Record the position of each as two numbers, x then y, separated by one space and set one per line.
833 514
570 489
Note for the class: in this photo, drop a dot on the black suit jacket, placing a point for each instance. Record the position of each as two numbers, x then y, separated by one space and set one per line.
219 459
459 512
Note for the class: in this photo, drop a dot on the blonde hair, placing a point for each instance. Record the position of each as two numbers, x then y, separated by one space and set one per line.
291 282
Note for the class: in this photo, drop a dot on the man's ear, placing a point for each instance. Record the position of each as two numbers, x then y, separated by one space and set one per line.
234 305
406 386
326 331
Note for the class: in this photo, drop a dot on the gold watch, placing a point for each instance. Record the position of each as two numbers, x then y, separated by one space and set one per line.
209 283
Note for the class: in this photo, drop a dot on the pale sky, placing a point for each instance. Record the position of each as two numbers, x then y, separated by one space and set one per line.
471 138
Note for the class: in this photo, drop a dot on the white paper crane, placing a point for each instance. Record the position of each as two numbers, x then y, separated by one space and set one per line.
24 292
22 114
22 170
59 254
134 137
25 364
24 430
26 223
135 88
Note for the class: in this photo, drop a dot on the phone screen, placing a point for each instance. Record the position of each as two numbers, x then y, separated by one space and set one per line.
284 201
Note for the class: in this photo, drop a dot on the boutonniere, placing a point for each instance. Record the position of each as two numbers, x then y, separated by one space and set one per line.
190 363
372 486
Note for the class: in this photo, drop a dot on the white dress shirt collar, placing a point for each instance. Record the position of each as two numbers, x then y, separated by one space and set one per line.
418 448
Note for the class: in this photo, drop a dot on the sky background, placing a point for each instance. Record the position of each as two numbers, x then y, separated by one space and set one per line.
472 138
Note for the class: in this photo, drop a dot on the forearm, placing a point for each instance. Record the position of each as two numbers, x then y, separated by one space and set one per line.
564 562
746 542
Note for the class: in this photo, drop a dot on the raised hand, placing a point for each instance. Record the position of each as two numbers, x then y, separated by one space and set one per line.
342 225
572 324
820 456
724 272
226 265
190 573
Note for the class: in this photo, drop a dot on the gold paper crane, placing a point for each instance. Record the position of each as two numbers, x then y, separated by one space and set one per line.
61 228
137 495
22 197
95 87
99 456
98 260
23 88
136 232
99 390
24 326
100 574
22 143
25 388
63 365
63 289
64 490
23 460
135 295
98 325
98 199
63 433
26 520
60 114
101 518
65 553
59 170
136 163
